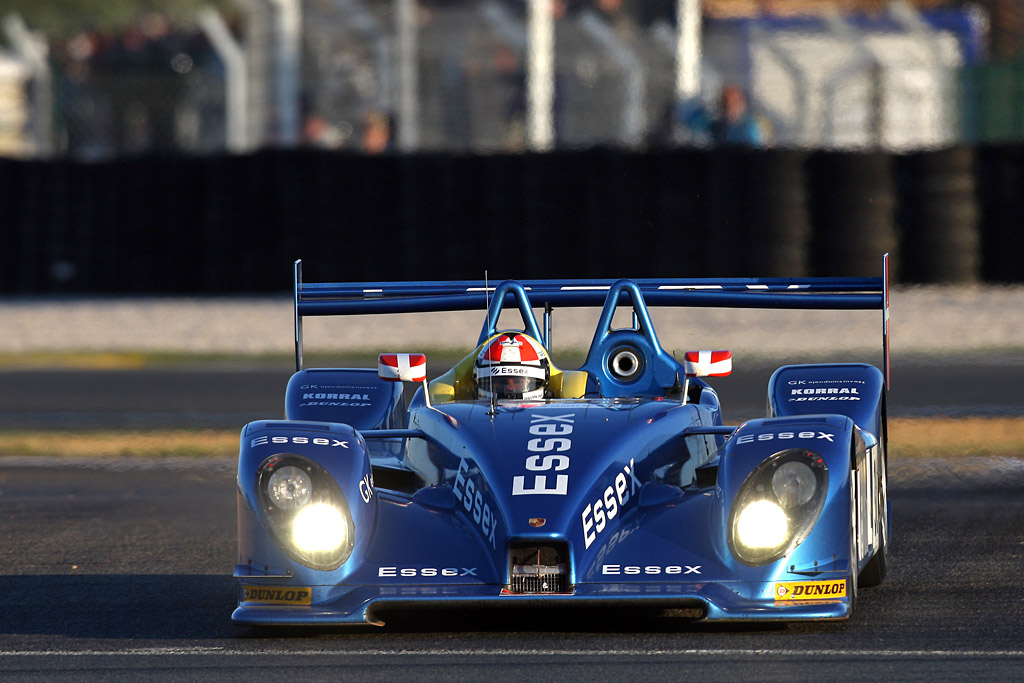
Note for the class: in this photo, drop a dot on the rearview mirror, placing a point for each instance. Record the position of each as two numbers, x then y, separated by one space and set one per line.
707 363
402 367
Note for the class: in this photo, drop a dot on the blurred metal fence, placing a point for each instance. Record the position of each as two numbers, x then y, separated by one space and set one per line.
430 75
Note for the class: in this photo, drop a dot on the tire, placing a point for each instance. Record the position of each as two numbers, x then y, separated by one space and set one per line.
853 577
875 570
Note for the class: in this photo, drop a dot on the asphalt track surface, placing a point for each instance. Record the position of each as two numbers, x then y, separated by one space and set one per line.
228 397
120 569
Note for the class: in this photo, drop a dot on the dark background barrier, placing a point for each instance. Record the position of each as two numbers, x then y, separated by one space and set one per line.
217 225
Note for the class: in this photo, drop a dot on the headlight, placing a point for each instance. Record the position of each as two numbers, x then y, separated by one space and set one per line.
289 487
762 524
777 506
794 483
305 511
319 528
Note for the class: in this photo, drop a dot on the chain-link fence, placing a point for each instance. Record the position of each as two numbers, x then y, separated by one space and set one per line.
429 75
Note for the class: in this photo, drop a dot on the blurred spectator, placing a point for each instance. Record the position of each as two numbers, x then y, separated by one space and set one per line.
128 92
511 73
376 132
1007 28
458 72
621 19
317 131
734 124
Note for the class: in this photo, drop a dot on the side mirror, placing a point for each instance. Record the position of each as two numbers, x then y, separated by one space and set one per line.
707 363
408 367
402 367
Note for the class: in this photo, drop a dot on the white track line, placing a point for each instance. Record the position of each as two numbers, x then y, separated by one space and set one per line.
478 653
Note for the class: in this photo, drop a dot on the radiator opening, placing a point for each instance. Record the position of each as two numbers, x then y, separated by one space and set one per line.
539 568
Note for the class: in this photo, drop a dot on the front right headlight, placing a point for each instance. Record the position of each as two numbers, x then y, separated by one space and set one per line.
761 525
305 510
777 506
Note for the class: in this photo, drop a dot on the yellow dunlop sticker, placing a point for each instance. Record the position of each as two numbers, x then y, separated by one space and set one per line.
274 595
810 590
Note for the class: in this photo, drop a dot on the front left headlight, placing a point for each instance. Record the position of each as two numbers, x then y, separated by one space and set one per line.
777 506
305 511
319 528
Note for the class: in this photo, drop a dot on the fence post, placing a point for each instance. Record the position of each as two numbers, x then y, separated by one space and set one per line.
32 50
688 50
287 21
540 76
235 77
408 76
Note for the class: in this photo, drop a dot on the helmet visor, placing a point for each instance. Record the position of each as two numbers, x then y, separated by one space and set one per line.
511 386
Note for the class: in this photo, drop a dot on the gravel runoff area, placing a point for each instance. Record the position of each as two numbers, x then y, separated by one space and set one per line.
927 320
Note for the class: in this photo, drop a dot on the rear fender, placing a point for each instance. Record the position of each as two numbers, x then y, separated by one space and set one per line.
855 390
352 396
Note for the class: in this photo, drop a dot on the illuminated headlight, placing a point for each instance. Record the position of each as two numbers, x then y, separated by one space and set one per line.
777 506
762 524
319 528
305 511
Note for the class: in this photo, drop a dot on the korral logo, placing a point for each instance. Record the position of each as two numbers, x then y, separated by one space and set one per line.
810 590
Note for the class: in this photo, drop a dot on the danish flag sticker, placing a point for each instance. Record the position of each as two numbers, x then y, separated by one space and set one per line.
707 363
402 367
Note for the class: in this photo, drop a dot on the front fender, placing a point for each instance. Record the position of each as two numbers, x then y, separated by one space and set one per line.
831 437
340 452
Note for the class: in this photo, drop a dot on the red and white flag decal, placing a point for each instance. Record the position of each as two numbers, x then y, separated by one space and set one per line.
707 363
402 367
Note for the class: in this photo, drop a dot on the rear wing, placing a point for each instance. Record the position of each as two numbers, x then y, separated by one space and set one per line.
821 293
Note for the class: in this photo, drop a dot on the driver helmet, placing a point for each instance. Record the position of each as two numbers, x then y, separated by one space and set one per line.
512 365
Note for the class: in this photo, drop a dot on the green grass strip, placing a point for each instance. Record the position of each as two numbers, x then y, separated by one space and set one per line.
908 437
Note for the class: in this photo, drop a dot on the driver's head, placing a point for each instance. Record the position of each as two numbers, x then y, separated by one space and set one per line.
512 365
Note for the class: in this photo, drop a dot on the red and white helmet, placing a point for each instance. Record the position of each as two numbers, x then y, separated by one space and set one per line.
512 365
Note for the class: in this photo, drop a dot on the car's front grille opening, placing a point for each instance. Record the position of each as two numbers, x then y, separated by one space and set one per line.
539 568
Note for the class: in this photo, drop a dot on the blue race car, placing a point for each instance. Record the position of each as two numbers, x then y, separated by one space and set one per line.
508 481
